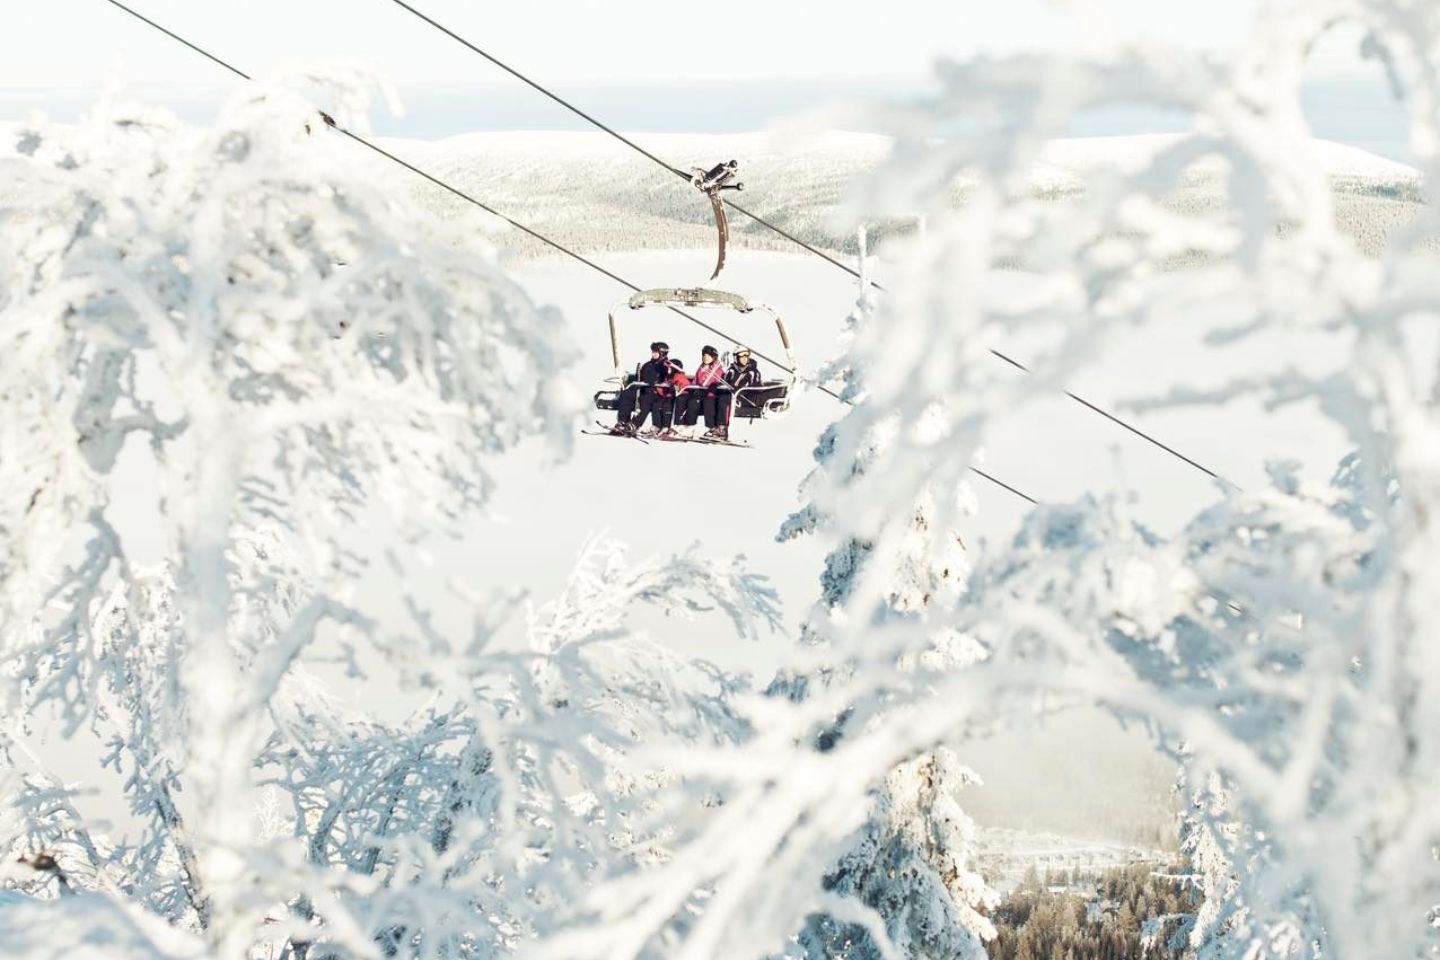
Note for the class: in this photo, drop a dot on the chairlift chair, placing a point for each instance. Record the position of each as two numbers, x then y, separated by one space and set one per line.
769 399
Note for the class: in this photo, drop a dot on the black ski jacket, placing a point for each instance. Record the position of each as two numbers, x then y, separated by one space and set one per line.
659 372
743 376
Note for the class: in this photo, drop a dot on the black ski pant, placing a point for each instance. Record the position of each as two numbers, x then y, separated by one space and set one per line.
625 403
657 406
715 404
722 408
693 400
651 403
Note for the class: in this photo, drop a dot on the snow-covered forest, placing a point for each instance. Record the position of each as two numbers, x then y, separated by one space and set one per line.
253 392
593 194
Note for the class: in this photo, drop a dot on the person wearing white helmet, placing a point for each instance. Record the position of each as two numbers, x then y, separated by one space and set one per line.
743 373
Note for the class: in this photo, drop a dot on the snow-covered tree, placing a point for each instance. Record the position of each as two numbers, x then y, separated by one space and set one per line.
178 297
1278 647
244 320
282 348
467 830
911 861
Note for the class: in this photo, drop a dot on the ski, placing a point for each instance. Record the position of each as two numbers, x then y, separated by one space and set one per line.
723 443
604 431
607 433
712 441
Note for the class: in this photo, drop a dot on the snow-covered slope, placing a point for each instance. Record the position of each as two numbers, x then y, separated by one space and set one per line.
1007 855
591 192
1071 159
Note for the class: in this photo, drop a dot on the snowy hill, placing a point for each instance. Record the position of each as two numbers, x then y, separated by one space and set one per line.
1071 159
588 191
592 193
1007 855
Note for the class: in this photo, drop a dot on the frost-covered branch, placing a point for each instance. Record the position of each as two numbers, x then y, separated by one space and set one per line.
1277 647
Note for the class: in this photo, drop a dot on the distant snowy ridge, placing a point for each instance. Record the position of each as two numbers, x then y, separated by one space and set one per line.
1071 160
1073 155
1006 855
592 193
588 191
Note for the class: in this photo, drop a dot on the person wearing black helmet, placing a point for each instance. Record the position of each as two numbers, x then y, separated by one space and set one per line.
650 390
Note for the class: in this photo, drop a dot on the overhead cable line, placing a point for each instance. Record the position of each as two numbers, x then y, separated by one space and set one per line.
776 228
330 121
769 225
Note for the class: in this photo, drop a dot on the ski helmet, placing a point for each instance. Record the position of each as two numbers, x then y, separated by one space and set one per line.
709 351
659 346
742 353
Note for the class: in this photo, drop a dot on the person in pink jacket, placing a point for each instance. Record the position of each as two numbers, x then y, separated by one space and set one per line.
704 394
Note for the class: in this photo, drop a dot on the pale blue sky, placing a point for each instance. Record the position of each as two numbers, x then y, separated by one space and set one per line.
641 64
66 43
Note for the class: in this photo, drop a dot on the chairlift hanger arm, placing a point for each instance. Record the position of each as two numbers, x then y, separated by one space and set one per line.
671 297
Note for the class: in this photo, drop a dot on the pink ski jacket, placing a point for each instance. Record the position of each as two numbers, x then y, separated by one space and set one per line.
709 374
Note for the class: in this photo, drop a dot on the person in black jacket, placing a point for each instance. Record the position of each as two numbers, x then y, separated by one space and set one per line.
650 390
742 372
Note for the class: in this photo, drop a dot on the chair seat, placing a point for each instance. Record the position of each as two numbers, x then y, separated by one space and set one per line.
751 403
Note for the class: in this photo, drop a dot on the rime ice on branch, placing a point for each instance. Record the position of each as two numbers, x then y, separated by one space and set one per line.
286 348
1280 647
